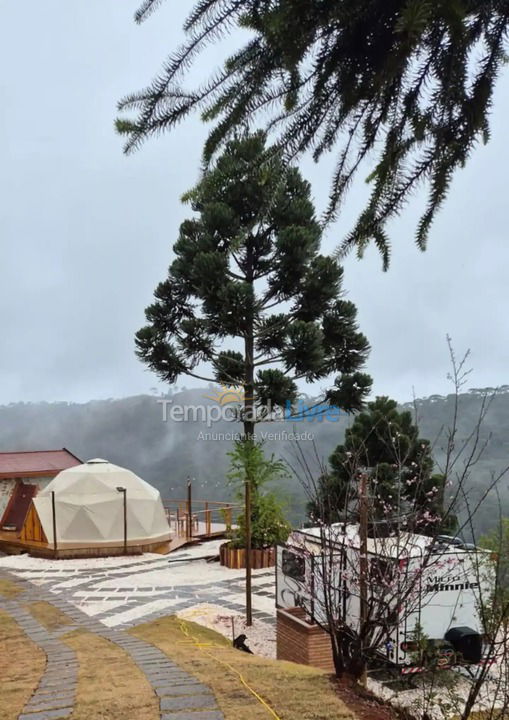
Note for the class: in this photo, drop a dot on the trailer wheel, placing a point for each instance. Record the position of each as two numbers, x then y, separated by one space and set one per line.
348 647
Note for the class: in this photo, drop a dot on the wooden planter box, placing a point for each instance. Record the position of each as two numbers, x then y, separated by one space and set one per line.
235 558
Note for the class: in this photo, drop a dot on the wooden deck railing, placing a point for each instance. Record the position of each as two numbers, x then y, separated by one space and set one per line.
200 518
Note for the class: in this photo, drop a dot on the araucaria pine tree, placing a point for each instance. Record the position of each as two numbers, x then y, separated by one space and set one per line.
248 274
406 85
384 444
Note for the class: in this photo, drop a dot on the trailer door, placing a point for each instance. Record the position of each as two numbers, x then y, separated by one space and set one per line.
293 579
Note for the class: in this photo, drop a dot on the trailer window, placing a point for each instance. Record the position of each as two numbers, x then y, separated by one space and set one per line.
294 566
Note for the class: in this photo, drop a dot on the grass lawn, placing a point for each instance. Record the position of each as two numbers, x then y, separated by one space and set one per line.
48 615
9 589
21 666
293 691
110 686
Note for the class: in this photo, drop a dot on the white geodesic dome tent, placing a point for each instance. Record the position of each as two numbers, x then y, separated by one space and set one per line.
89 508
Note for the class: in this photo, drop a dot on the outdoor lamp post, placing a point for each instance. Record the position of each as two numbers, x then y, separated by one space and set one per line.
123 490
189 527
54 512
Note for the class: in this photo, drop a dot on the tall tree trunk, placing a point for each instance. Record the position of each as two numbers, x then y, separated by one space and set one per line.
363 574
249 425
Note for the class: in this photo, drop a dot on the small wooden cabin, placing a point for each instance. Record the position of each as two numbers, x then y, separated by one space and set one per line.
22 476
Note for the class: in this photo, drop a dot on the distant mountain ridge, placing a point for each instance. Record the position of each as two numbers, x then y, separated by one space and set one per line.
132 432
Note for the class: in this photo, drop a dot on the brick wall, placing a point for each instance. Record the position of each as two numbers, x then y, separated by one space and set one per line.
302 642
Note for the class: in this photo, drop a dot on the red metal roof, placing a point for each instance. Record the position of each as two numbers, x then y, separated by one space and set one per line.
36 462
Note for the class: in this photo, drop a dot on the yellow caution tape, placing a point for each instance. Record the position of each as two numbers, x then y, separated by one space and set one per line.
201 646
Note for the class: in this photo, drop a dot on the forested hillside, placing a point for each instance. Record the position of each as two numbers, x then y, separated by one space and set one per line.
435 416
132 432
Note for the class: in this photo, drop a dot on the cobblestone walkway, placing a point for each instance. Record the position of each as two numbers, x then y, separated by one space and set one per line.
120 596
56 693
180 695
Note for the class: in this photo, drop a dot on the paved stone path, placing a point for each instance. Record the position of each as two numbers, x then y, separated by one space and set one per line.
181 696
56 693
144 588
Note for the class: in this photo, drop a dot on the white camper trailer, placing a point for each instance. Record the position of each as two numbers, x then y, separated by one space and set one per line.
416 588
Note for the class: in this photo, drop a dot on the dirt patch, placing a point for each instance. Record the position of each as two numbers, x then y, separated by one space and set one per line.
365 705
22 664
9 589
110 685
48 615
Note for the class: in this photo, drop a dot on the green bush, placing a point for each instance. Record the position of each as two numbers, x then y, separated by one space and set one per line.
268 523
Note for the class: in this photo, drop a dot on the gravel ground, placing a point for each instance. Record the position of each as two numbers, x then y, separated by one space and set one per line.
443 696
26 562
261 637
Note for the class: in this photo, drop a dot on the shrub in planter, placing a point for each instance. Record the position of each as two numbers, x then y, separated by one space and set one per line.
268 523
235 558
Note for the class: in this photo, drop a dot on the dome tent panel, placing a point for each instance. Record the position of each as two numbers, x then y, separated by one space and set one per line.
66 513
75 484
72 525
94 500
98 523
83 528
149 515
89 508
97 475
135 527
110 516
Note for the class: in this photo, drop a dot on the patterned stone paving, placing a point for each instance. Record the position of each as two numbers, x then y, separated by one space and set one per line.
144 589
181 696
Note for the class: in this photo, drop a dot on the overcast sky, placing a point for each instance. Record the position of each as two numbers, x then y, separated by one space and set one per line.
86 233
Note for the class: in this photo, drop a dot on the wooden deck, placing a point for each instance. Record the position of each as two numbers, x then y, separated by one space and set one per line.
189 523
11 543
195 521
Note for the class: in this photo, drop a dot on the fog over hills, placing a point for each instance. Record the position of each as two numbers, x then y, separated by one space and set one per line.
135 433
